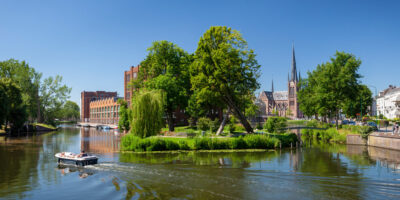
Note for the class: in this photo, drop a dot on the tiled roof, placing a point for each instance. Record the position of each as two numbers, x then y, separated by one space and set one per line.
280 95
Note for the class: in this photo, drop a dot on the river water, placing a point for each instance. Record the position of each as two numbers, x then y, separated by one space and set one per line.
28 170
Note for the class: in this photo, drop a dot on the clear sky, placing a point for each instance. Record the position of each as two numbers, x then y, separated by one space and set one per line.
91 43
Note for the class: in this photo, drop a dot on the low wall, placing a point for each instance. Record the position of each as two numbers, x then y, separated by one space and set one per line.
384 142
356 139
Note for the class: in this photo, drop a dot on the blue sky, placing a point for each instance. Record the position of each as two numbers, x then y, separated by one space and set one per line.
91 43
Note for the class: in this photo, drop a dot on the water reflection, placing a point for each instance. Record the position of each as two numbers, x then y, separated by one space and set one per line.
71 169
99 141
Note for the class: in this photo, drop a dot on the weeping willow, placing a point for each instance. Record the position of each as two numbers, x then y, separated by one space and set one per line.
147 113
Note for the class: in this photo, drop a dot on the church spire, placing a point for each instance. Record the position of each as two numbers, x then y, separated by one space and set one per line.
272 88
294 70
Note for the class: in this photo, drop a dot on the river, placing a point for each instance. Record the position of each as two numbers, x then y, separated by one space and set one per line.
28 170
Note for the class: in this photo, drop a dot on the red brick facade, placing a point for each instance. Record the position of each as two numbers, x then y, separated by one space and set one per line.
129 75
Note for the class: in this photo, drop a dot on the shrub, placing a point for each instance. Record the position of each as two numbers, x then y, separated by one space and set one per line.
133 143
312 123
239 127
275 124
203 123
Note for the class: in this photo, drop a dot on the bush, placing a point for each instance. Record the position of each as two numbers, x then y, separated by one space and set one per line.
275 124
203 123
312 123
133 143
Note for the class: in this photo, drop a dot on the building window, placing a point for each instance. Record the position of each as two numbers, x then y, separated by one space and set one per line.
134 75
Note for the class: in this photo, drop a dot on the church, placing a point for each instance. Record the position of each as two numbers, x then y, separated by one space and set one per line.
282 103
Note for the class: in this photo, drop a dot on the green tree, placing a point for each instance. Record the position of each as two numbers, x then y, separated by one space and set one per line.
147 112
166 68
226 68
53 94
124 116
330 86
70 111
14 113
360 103
27 79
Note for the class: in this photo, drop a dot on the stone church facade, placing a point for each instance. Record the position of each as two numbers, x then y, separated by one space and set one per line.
282 103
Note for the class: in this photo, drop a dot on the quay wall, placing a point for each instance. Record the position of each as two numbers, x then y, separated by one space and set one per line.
384 142
356 140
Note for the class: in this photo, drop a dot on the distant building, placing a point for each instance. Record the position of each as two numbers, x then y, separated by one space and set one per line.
104 111
87 97
388 102
129 75
284 103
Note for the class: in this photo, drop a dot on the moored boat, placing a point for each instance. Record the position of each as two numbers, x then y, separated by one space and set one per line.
81 159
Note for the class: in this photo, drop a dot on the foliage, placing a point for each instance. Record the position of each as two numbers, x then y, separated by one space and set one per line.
70 110
42 100
27 79
147 110
275 124
330 86
14 113
203 123
131 142
225 70
53 95
124 116
360 103
166 68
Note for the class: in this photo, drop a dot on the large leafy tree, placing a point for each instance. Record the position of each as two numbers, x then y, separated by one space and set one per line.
53 94
226 68
27 79
166 68
330 86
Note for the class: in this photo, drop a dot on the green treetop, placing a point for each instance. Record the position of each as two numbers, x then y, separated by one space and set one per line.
226 68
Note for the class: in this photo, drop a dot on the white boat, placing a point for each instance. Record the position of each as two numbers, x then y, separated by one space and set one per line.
81 159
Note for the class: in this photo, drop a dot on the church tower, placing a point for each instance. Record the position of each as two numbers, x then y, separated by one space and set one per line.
293 89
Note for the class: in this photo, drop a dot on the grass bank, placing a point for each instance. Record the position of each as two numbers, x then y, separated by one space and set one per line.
132 143
336 136
48 126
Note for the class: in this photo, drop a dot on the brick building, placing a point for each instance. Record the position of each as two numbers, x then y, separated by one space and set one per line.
129 75
87 97
104 111
285 103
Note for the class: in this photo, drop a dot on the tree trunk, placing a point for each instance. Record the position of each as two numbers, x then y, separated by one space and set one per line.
38 106
337 120
224 120
170 120
238 114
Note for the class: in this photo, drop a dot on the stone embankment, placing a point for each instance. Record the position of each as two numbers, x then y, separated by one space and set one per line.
386 140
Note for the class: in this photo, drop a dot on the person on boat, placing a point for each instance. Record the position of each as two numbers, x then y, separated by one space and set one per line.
82 154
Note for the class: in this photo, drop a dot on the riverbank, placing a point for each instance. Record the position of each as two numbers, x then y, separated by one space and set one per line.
31 128
133 143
